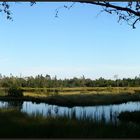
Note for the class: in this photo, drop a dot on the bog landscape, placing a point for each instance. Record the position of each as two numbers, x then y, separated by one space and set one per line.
70 69
69 108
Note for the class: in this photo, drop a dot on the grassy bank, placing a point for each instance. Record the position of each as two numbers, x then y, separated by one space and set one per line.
79 96
79 100
14 124
78 90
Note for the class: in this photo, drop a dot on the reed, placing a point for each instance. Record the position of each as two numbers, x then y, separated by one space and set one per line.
15 124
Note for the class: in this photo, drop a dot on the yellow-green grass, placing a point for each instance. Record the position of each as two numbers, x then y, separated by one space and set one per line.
81 96
44 92
67 89
86 89
2 92
35 94
80 99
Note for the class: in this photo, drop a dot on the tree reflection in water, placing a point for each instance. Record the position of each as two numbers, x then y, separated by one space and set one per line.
15 105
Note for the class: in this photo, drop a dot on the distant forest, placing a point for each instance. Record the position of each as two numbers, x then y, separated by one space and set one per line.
47 81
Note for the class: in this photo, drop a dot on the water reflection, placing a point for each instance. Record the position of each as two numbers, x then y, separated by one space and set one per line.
105 113
15 105
18 105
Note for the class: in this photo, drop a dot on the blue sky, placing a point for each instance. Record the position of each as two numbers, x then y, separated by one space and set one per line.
76 43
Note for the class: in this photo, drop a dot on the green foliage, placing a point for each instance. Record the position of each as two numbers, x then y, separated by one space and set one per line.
47 81
2 92
55 92
14 91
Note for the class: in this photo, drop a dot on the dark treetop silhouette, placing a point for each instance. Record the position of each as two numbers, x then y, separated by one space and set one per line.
126 11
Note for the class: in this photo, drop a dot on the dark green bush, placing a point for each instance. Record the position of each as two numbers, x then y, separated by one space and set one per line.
15 92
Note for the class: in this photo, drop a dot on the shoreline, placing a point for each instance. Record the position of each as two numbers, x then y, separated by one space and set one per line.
78 100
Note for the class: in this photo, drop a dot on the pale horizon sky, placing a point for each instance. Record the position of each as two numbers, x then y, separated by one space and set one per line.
76 43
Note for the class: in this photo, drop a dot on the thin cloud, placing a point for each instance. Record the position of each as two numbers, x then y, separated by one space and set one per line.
3 60
96 71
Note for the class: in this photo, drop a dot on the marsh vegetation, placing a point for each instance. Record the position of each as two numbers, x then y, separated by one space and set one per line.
70 108
21 125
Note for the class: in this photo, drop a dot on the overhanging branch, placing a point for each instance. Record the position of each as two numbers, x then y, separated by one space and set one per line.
108 5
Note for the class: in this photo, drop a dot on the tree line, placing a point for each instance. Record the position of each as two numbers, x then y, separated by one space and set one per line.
47 81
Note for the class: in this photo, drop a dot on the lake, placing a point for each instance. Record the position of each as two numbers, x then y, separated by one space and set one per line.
101 112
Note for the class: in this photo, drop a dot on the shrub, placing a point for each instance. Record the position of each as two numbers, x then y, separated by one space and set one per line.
15 92
137 91
56 92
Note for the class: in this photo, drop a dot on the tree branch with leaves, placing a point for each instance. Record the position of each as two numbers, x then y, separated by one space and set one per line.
126 11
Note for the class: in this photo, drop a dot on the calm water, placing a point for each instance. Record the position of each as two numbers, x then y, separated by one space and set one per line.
101 112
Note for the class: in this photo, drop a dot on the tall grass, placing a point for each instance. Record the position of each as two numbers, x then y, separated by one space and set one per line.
79 99
80 96
2 92
14 124
88 89
127 116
